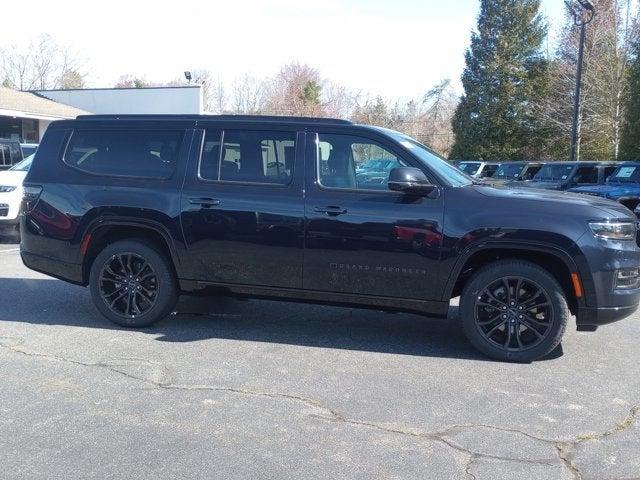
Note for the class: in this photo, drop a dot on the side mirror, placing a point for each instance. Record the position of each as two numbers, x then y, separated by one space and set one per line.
410 180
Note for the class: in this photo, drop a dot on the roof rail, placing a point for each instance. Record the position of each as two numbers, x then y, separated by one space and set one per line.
231 118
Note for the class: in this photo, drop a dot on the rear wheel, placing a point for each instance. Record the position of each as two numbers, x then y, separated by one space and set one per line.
132 284
514 310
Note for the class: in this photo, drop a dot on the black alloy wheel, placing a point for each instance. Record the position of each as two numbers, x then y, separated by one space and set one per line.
514 313
133 283
514 310
128 284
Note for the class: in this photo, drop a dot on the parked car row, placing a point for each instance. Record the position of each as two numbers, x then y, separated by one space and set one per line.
613 180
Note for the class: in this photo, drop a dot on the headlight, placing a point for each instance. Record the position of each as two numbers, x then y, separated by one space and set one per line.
6 188
614 230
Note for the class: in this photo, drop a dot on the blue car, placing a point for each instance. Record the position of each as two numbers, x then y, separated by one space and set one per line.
623 186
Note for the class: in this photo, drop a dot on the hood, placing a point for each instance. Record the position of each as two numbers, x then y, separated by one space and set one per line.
12 178
610 190
607 208
541 185
499 181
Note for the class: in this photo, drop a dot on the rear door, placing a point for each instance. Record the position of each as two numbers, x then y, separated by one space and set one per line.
362 238
242 205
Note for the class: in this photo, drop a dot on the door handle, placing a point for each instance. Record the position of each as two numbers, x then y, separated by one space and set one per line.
331 210
204 202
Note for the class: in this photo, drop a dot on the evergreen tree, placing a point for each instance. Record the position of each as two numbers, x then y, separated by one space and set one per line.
505 71
630 142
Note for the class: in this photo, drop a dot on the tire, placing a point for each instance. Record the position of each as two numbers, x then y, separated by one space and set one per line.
150 289
514 333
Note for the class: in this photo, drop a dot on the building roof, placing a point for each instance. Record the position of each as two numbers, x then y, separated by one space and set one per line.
30 105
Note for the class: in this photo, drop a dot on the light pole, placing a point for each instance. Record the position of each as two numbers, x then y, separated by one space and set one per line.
582 17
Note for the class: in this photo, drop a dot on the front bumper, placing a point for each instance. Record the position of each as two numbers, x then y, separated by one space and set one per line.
603 302
590 318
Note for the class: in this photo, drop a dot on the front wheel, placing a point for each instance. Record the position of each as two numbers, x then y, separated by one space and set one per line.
514 310
132 284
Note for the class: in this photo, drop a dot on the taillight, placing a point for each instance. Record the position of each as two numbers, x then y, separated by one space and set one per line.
30 196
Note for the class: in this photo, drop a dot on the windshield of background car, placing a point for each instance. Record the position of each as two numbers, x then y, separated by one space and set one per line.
508 170
470 168
24 165
554 172
626 174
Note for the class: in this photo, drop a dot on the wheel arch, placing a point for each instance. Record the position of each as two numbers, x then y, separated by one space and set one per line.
102 233
555 260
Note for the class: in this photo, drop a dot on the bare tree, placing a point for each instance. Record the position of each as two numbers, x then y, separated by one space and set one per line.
296 90
132 81
605 84
248 95
427 119
41 65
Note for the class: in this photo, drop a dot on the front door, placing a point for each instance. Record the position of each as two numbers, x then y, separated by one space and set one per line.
362 238
242 206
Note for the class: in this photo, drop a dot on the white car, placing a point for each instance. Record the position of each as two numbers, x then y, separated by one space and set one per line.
11 195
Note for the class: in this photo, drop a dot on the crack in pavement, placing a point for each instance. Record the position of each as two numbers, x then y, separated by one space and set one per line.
565 449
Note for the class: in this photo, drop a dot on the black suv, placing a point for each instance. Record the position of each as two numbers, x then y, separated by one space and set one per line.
143 208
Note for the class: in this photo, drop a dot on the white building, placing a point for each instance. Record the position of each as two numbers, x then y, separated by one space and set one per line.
25 115
160 100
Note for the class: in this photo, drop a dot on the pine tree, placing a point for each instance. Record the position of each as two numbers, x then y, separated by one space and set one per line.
630 142
505 71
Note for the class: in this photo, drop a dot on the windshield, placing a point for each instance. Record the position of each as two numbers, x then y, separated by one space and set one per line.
470 168
626 174
508 170
444 169
554 172
24 165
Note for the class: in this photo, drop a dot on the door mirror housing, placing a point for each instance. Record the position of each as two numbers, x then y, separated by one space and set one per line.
410 180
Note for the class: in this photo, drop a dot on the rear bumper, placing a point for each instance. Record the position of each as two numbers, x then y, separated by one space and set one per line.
69 272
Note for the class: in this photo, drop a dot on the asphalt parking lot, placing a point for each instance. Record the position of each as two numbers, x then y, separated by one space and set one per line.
256 389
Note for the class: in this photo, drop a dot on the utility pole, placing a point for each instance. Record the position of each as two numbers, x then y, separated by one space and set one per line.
582 17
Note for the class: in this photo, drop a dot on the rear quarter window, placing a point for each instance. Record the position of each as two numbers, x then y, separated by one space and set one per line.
122 153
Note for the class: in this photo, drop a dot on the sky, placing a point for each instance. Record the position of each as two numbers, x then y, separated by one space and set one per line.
394 48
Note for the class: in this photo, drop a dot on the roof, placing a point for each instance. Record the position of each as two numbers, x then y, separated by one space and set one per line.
225 118
31 105
165 87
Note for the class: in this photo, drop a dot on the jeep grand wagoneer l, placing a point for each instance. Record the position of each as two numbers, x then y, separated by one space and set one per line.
143 208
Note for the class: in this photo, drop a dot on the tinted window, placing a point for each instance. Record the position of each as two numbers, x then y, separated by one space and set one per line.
608 171
343 162
626 174
554 172
489 170
248 156
531 172
508 170
586 175
147 154
470 168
